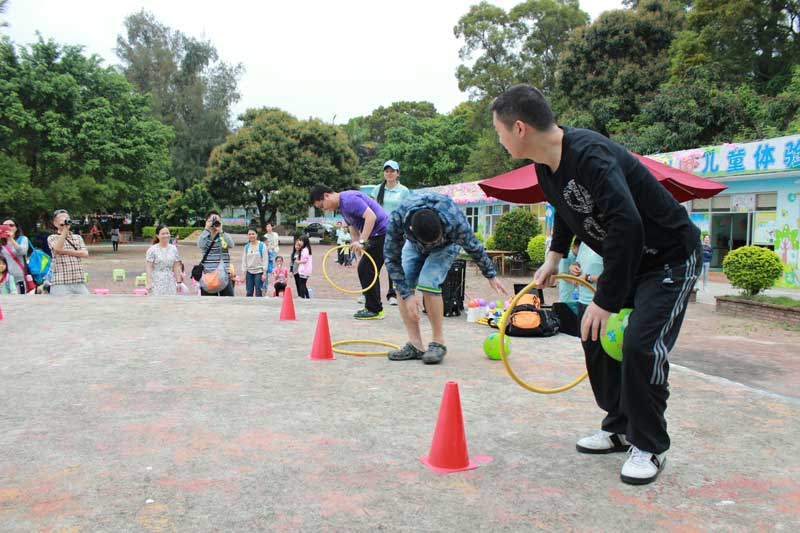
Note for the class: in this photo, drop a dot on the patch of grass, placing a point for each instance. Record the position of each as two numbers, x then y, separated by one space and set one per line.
785 301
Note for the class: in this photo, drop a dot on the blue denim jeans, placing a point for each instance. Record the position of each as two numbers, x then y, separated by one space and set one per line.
253 282
427 271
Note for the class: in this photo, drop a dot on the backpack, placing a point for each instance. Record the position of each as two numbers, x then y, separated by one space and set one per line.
260 249
38 263
529 320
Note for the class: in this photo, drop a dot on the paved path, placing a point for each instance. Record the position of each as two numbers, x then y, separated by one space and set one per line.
187 414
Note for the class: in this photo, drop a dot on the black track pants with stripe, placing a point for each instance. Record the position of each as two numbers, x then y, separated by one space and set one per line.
634 393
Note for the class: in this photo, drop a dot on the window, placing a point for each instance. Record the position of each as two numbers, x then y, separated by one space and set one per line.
493 214
472 217
701 204
721 203
767 201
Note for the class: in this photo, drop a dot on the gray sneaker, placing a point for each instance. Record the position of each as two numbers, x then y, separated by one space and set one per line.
406 353
435 354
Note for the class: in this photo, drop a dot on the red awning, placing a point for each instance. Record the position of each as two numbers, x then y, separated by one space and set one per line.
521 186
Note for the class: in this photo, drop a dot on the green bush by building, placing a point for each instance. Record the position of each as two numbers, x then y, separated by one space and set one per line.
752 269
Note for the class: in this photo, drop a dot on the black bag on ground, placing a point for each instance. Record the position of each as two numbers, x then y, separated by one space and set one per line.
529 320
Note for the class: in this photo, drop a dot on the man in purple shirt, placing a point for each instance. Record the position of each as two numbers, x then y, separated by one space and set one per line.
367 221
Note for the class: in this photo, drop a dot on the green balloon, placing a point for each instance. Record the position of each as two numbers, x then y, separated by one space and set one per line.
615 333
491 346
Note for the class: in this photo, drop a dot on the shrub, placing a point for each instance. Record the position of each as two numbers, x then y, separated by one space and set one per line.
536 249
752 269
515 229
489 245
479 236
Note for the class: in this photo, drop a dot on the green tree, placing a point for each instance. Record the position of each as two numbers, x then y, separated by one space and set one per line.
273 159
75 134
747 41
519 46
488 32
385 118
191 89
544 27
701 110
3 8
431 151
188 206
615 64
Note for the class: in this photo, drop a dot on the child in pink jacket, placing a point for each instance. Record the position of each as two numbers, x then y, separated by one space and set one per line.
303 265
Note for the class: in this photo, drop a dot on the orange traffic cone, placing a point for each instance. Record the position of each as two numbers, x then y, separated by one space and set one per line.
287 308
1 313
322 349
449 447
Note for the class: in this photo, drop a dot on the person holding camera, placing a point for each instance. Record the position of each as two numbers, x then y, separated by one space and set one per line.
68 250
218 244
14 247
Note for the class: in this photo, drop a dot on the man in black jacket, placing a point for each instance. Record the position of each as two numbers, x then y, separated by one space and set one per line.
651 253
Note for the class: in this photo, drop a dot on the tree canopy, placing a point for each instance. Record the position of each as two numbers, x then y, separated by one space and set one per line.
191 89
75 134
273 160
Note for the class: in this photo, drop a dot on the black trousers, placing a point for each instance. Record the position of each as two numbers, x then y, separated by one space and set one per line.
366 272
634 393
279 288
300 283
391 293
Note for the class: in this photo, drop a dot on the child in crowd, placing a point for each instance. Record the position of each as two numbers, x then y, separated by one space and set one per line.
7 283
301 259
280 276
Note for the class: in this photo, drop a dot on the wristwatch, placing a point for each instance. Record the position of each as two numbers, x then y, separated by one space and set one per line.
589 278
361 241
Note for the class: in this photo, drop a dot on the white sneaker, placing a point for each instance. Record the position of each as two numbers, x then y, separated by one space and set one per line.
642 467
603 442
392 300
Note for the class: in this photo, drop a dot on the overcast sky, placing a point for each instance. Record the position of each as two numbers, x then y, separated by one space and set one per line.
317 58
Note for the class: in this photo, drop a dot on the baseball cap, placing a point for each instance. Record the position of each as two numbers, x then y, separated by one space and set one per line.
392 164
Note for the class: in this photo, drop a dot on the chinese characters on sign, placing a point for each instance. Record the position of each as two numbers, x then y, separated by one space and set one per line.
773 155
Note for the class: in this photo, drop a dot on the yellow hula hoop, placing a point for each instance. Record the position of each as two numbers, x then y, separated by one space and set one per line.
335 286
363 341
502 330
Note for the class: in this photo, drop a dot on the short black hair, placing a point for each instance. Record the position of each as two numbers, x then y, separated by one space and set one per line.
426 225
317 192
525 103
252 228
213 212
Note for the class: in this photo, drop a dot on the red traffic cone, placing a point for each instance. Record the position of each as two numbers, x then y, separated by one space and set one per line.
322 349
287 308
1 313
449 447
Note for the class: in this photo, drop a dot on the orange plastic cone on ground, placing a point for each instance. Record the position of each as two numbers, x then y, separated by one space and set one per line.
322 349
287 307
449 447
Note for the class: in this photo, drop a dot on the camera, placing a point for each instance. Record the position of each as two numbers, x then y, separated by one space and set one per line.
216 223
68 222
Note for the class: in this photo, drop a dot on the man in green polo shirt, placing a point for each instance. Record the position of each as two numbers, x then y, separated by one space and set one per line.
389 195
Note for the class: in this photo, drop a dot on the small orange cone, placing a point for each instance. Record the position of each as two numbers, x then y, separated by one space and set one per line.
287 308
449 447
322 349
